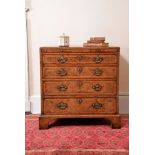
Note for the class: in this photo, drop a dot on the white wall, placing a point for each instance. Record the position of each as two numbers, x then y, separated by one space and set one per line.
80 19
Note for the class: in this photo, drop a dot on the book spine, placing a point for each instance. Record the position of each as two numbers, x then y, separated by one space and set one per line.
95 41
97 38
96 44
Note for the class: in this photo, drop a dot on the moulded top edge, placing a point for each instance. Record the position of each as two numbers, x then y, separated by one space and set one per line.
69 48
78 47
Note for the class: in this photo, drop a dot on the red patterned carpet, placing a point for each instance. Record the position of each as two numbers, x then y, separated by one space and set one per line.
76 137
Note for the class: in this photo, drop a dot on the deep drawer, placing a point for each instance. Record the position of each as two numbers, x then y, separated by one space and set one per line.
69 106
79 72
75 87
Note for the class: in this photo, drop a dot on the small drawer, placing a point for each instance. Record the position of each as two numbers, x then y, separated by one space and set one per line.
79 72
69 106
75 87
79 58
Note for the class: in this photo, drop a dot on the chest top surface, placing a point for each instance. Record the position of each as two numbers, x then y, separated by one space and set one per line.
79 49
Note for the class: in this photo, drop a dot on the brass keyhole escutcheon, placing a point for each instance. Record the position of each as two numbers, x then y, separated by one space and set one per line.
79 100
79 84
80 57
79 69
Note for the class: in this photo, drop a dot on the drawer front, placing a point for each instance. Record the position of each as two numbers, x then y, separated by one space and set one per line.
75 87
80 106
79 72
74 58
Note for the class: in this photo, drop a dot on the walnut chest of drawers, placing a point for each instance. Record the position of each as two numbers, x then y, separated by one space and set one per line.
79 82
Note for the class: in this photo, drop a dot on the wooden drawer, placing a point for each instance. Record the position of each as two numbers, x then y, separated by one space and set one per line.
69 106
79 72
75 87
76 58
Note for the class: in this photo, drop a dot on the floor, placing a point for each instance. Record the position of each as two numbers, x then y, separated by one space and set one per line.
76 137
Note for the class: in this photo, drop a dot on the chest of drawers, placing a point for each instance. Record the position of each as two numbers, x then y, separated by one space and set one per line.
79 82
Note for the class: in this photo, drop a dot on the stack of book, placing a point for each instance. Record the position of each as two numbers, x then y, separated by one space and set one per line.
96 41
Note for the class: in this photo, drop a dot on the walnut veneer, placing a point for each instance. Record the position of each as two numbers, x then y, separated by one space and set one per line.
79 82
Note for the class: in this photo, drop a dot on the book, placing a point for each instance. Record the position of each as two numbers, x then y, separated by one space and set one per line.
98 38
95 41
95 44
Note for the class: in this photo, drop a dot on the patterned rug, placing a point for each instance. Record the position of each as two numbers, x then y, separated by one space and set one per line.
76 137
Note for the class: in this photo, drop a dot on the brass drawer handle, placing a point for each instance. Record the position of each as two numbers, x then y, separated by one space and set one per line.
62 105
62 88
97 72
62 59
62 72
98 59
97 105
97 87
